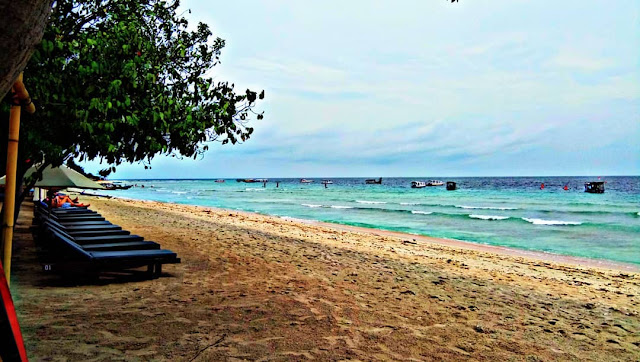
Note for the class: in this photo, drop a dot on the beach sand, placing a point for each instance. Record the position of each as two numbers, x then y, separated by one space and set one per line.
256 287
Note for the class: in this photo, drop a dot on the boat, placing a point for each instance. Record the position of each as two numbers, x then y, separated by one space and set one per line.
251 180
596 187
435 183
113 185
327 182
418 184
451 185
219 181
373 181
305 181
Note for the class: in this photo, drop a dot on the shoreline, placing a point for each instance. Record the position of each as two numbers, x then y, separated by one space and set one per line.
542 256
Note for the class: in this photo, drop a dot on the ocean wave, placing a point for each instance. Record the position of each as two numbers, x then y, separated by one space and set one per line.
341 207
410 203
370 202
311 205
289 218
255 189
421 212
179 192
550 222
488 217
484 207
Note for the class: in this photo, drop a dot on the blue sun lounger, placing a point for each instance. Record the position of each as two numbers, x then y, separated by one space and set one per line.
74 256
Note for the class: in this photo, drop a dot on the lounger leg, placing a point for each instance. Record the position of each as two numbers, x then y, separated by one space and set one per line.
150 270
158 271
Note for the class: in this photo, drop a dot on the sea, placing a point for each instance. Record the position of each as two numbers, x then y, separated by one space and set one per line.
512 212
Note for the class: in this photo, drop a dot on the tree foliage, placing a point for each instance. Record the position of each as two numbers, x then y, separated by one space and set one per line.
124 81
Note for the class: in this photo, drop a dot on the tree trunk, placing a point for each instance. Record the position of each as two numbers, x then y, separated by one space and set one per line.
21 29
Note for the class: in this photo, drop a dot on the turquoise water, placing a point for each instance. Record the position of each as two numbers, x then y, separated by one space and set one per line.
507 211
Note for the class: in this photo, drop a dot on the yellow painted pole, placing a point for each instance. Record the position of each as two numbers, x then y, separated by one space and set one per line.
21 96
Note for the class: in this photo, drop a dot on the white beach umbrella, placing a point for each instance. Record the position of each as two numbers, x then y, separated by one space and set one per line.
61 177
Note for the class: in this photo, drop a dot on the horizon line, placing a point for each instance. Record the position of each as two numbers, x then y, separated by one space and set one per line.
363 177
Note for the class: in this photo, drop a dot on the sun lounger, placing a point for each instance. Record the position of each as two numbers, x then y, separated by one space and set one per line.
89 227
91 235
98 232
76 258
131 245
83 223
106 242
45 215
63 210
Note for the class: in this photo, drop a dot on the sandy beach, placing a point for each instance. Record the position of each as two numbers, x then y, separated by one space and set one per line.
255 287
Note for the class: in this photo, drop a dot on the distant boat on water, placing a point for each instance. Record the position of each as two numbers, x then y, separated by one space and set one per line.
418 184
305 181
596 187
113 185
327 182
251 180
373 181
451 185
219 181
435 183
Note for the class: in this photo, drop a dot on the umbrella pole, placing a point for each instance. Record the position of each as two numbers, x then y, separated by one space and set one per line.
21 97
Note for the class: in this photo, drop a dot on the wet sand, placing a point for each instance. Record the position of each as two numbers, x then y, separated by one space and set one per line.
256 287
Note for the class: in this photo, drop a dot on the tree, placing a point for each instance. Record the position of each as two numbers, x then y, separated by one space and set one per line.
21 29
124 81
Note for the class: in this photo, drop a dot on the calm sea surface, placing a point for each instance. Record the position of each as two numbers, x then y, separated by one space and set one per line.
505 211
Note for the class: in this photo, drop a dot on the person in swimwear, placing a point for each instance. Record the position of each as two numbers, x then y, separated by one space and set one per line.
61 200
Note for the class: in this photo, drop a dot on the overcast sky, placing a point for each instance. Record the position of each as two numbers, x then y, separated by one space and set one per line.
426 88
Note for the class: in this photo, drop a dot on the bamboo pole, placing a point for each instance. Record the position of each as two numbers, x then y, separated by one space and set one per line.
21 96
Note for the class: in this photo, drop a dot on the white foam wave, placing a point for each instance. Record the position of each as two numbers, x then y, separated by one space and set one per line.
421 212
341 207
311 205
179 192
550 222
409 203
488 217
485 207
370 202
289 218
255 189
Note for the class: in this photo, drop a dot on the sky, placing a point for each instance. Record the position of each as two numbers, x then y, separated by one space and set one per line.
425 88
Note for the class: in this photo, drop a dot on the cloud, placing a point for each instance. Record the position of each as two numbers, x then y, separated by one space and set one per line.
475 87
581 62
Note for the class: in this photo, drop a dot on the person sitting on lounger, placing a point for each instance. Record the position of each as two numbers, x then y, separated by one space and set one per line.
64 201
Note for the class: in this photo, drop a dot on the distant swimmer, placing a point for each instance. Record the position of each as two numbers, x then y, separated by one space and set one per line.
542 186
566 188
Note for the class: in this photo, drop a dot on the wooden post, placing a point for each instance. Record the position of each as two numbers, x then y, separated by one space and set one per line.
21 96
